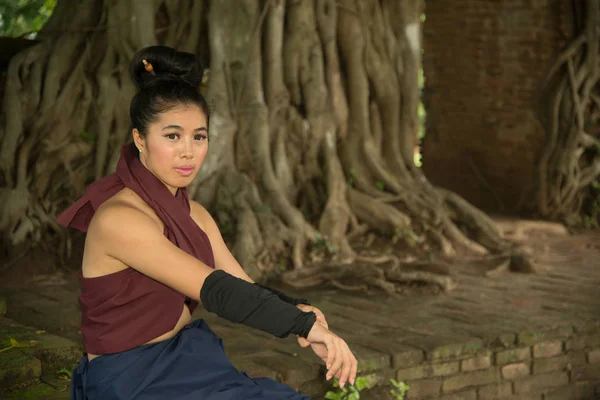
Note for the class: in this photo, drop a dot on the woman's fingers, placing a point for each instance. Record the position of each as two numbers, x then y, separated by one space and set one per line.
354 368
349 362
339 358
330 356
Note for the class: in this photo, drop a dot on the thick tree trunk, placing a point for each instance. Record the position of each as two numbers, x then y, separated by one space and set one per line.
570 110
311 142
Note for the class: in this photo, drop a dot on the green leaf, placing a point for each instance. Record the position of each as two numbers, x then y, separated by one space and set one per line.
354 396
14 342
332 396
360 383
380 186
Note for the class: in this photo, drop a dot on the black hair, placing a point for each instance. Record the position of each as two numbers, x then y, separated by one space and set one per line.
174 81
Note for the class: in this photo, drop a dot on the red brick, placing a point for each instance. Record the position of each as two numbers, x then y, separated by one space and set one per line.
515 371
547 349
498 48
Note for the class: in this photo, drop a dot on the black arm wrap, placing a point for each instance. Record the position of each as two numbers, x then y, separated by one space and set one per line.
283 296
239 301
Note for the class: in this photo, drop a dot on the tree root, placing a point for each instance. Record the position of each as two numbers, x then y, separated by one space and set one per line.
570 161
311 141
389 277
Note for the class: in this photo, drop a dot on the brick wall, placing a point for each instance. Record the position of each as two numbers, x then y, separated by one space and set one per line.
551 364
554 365
484 62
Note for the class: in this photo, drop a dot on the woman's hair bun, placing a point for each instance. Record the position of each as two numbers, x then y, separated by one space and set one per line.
168 64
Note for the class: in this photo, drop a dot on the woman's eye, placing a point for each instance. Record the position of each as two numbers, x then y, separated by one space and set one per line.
199 136
171 136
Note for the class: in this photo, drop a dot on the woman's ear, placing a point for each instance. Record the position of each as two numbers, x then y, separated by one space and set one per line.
138 140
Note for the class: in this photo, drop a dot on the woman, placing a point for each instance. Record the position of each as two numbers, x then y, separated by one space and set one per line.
151 255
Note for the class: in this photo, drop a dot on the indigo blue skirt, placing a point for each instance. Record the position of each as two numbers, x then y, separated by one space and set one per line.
191 365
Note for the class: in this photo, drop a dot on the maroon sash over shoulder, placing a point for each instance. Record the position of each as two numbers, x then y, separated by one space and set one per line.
126 309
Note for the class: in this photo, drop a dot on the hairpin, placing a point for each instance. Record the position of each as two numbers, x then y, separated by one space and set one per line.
148 67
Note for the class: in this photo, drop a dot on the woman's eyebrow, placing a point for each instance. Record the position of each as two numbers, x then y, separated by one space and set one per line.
202 128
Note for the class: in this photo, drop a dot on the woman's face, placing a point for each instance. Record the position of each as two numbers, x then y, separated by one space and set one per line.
175 146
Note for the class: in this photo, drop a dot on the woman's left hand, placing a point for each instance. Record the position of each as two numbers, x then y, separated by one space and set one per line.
320 318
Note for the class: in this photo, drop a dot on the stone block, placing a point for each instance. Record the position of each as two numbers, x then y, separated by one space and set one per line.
587 372
515 371
255 370
549 348
482 361
370 360
560 363
538 383
427 371
507 339
513 355
531 337
464 395
39 391
593 356
424 388
439 348
495 391
522 396
53 351
583 341
402 355
292 370
316 388
18 368
475 378
407 357
571 392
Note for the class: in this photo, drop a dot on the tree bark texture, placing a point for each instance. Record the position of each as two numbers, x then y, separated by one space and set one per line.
570 109
311 139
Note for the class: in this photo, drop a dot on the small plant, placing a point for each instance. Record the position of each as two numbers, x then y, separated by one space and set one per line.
15 344
64 374
399 389
321 242
348 392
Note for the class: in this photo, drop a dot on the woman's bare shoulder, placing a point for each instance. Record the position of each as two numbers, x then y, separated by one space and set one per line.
125 203
200 215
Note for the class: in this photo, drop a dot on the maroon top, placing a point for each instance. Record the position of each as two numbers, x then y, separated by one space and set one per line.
126 309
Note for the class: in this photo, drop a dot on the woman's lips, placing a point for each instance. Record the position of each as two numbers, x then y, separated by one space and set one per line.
185 170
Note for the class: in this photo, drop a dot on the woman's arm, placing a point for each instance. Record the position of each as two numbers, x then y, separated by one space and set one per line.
224 260
132 237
